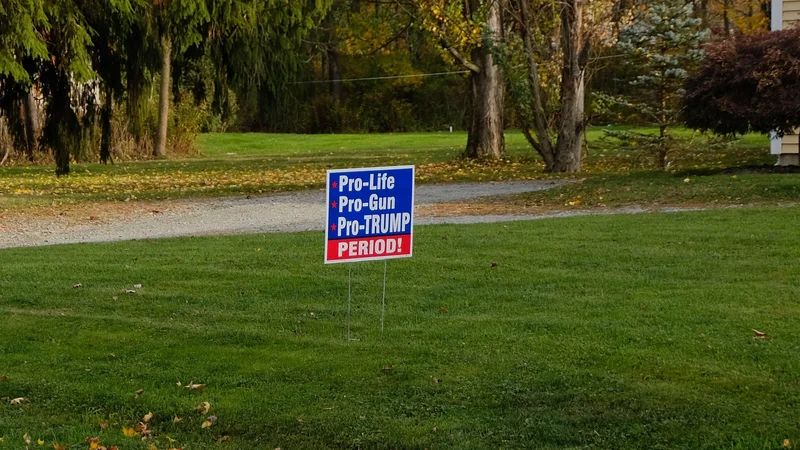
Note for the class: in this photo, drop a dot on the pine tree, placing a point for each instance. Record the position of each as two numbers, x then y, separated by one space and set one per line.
661 45
20 45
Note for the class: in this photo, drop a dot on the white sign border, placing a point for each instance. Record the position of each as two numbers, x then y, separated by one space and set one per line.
328 211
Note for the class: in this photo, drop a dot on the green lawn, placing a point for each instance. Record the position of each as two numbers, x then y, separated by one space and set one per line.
422 146
244 164
654 190
603 332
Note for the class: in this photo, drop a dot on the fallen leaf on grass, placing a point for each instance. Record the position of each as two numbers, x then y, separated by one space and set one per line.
57 446
435 428
787 443
94 443
176 419
206 424
387 369
759 334
147 417
103 425
443 310
203 408
76 286
143 429
128 291
129 432
27 438
139 393
437 380
195 387
19 400
137 286
40 441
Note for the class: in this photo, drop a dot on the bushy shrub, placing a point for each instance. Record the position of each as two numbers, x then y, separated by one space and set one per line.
750 83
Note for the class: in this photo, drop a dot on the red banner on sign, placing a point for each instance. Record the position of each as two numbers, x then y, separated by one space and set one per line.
368 248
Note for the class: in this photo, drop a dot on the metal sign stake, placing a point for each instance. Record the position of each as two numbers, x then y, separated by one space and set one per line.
349 296
383 303
369 217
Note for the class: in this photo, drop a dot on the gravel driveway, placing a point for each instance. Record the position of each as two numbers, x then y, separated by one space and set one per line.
300 211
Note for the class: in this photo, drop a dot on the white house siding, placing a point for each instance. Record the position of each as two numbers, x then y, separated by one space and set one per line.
786 13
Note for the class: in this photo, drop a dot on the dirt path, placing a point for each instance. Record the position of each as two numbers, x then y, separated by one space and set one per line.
299 211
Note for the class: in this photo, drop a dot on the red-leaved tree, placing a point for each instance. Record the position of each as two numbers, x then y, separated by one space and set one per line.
747 84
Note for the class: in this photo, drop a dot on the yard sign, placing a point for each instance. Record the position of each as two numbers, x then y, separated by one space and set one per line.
370 214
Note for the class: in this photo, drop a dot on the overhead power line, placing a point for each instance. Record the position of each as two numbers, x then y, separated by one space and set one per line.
391 77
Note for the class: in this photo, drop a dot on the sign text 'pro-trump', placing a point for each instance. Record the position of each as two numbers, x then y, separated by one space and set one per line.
370 214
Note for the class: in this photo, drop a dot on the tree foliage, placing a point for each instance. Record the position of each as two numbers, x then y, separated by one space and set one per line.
21 21
661 45
751 83
85 55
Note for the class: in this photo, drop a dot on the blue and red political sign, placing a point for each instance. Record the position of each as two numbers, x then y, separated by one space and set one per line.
370 214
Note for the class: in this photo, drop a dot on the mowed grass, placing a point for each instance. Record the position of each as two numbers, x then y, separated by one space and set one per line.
601 332
650 190
252 164
423 147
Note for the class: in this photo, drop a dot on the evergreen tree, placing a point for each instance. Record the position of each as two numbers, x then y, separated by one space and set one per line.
256 47
661 45
20 45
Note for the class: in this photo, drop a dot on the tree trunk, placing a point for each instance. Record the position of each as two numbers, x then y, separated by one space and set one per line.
31 123
334 74
486 138
702 11
570 133
163 99
663 148
64 125
726 21
4 139
542 144
105 125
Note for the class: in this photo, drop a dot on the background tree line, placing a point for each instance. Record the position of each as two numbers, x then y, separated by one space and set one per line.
86 79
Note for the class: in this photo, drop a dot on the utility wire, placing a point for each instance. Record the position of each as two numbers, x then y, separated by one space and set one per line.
392 77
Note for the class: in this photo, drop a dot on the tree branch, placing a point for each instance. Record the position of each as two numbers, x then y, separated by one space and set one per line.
539 117
463 61
394 38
